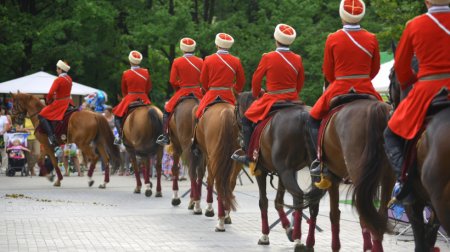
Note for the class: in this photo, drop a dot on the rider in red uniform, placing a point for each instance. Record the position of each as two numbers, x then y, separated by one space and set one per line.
351 61
284 80
136 84
58 100
185 80
221 73
428 38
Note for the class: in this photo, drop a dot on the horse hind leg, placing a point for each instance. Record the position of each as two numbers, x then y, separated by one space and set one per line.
279 206
335 215
313 212
158 157
175 174
92 158
105 160
209 211
263 206
134 163
145 165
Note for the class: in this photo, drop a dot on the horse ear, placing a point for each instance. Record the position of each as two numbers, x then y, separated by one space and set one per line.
393 47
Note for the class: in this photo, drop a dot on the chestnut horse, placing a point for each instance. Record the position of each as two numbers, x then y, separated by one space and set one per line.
285 149
354 148
140 130
85 127
215 139
429 180
181 132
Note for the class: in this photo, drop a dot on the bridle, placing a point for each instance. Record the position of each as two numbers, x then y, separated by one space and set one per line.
20 113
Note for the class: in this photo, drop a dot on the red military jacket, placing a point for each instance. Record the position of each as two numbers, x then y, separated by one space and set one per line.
343 58
284 80
185 79
220 70
430 42
136 84
58 98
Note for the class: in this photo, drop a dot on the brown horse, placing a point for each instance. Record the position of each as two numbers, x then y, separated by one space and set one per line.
140 130
429 180
84 128
181 132
353 148
216 137
285 149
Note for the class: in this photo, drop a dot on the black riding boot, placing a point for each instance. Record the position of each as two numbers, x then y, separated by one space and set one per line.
118 124
163 139
247 131
394 150
49 129
313 128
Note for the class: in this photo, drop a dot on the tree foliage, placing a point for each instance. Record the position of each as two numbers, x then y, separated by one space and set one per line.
95 37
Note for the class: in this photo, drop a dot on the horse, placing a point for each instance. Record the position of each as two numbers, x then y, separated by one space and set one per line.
181 131
353 148
140 129
429 179
84 128
285 149
215 139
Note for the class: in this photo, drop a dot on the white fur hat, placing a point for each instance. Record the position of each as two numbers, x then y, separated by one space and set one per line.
187 45
440 2
352 11
284 34
224 40
135 57
63 66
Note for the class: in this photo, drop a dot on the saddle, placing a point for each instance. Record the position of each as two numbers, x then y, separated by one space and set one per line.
337 103
60 127
255 139
131 107
216 101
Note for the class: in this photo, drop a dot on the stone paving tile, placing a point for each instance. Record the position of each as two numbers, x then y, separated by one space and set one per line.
77 218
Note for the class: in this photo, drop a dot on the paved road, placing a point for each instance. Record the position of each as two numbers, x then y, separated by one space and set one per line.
77 218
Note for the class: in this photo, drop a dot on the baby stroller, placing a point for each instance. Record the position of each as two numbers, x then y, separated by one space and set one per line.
15 149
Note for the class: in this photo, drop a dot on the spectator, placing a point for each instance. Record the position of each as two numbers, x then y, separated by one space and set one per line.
70 154
33 145
5 126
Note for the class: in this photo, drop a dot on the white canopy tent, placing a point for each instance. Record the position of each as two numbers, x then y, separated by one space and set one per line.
40 83
381 81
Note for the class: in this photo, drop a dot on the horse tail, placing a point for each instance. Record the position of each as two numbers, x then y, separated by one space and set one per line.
105 137
156 125
223 162
370 167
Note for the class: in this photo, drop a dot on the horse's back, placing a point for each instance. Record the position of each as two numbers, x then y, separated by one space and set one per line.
285 137
82 126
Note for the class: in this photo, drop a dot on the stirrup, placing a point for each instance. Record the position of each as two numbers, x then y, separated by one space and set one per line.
117 141
163 140
240 158
324 182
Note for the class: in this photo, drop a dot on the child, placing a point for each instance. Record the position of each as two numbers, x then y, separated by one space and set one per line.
16 150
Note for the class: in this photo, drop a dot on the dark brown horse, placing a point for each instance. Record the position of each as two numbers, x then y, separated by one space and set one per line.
140 130
430 178
84 128
285 149
181 132
216 137
353 148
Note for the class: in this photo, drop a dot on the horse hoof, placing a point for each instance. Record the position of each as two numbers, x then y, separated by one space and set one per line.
137 191
289 232
227 220
198 212
158 195
51 178
148 192
300 248
191 205
57 183
102 186
220 229
209 213
261 242
176 202
90 183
